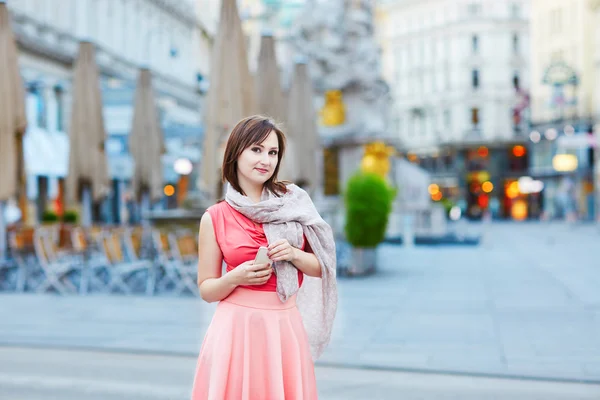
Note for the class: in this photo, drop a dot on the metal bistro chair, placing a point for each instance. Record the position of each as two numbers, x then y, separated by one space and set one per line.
122 272
136 250
169 275
54 272
21 248
184 252
95 274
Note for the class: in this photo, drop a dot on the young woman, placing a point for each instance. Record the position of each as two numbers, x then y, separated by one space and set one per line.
271 317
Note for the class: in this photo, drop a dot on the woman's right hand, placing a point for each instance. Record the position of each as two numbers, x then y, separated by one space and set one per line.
248 273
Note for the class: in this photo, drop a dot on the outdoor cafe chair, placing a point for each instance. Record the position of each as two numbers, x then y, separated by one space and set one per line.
184 251
123 273
54 272
136 250
95 270
21 249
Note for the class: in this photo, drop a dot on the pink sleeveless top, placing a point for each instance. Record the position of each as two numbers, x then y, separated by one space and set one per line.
239 239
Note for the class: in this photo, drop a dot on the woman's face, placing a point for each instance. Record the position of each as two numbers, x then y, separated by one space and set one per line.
257 163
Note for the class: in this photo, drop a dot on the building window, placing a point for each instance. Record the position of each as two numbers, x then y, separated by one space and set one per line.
474 9
40 101
515 43
515 10
447 119
60 103
556 21
516 82
475 44
475 116
475 79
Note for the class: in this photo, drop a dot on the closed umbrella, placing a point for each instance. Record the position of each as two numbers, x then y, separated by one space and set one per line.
231 94
302 126
88 178
272 102
13 123
146 142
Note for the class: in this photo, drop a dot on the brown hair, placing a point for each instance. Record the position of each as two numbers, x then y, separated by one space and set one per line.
250 131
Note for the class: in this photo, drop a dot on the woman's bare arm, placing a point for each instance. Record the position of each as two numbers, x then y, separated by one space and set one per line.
213 286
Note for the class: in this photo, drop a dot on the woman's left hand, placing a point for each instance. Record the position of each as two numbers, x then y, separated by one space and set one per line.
282 250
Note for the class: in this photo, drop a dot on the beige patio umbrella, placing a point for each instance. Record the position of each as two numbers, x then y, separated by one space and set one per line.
13 123
272 102
146 142
231 94
88 179
302 125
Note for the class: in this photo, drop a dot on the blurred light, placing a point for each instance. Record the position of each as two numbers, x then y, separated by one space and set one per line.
487 187
564 162
483 201
529 185
479 176
483 151
455 213
551 134
569 130
183 166
512 190
535 136
519 151
437 196
412 157
433 189
519 210
169 190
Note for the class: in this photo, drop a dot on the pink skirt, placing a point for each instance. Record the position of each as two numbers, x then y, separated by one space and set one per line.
255 348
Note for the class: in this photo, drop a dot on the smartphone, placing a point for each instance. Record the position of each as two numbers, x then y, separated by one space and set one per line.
262 257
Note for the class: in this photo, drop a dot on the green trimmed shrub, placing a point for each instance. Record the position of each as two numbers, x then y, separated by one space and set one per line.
368 199
70 217
49 217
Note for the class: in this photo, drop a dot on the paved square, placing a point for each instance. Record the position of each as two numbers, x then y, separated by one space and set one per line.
526 302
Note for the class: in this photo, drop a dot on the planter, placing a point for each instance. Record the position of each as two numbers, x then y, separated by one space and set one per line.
363 261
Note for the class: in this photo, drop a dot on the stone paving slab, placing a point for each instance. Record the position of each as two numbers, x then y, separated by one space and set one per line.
524 303
42 374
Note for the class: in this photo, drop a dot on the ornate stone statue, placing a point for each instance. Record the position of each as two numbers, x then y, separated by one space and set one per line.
337 37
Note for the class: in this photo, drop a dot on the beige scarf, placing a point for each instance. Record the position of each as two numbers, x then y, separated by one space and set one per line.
290 217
